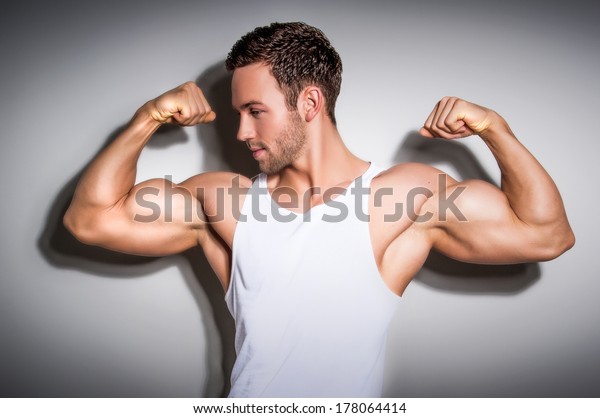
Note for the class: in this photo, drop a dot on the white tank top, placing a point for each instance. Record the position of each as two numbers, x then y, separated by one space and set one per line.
310 307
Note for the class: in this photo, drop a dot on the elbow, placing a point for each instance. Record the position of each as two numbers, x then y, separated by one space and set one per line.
80 227
567 242
557 244
70 222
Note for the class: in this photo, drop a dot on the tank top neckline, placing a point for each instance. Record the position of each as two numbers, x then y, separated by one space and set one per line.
262 183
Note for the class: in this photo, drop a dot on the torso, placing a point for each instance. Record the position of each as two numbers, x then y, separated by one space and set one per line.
400 245
304 284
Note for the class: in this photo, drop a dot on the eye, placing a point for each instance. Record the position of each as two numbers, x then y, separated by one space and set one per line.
255 113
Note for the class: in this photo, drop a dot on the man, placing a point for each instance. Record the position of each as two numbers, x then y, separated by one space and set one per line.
315 252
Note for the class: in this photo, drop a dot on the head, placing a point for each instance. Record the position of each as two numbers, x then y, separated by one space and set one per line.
298 55
275 135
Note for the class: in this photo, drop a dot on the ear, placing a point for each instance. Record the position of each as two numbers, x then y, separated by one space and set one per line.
311 102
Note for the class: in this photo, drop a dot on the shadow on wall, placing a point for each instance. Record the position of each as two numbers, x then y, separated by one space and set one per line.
222 152
446 274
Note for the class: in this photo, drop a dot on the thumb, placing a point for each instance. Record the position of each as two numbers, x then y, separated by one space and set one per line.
424 132
209 117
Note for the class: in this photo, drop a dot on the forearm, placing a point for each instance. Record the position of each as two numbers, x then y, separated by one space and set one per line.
111 175
531 192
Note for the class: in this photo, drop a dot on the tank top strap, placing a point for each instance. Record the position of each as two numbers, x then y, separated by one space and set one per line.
372 172
261 181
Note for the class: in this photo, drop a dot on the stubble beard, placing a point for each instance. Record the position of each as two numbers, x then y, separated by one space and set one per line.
287 148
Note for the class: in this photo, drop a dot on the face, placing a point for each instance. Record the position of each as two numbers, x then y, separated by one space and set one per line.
275 135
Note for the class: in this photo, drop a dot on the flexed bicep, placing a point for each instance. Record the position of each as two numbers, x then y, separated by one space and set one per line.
156 218
479 226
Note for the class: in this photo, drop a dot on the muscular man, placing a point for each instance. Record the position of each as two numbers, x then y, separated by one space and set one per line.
315 252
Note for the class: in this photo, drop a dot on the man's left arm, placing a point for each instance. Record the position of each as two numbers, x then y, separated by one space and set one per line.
522 221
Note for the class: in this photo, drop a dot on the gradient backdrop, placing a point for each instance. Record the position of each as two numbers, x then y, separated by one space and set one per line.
80 321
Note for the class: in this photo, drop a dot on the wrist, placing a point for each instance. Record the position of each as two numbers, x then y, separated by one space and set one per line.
143 119
497 128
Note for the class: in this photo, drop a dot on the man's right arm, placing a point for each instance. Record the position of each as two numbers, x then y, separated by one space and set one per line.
154 217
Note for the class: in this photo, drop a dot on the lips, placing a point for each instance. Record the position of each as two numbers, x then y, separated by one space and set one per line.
256 151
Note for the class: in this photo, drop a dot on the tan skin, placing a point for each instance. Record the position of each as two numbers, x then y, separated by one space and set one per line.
523 221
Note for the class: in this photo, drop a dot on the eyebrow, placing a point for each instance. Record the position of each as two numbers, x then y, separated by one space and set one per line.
249 104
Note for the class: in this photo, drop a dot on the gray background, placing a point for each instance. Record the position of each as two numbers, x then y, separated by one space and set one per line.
80 321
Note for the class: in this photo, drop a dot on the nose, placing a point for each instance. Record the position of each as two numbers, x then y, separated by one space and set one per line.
245 130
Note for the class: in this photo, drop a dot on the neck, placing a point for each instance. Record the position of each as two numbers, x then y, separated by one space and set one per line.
325 162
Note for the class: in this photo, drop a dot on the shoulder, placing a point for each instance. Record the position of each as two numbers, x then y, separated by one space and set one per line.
222 196
404 192
399 193
407 176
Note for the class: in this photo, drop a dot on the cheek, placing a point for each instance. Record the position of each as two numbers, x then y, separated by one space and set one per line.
267 129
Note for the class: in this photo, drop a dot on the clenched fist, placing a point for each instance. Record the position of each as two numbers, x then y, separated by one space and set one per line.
454 118
184 105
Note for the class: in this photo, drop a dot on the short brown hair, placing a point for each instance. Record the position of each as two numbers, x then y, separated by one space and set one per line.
298 54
